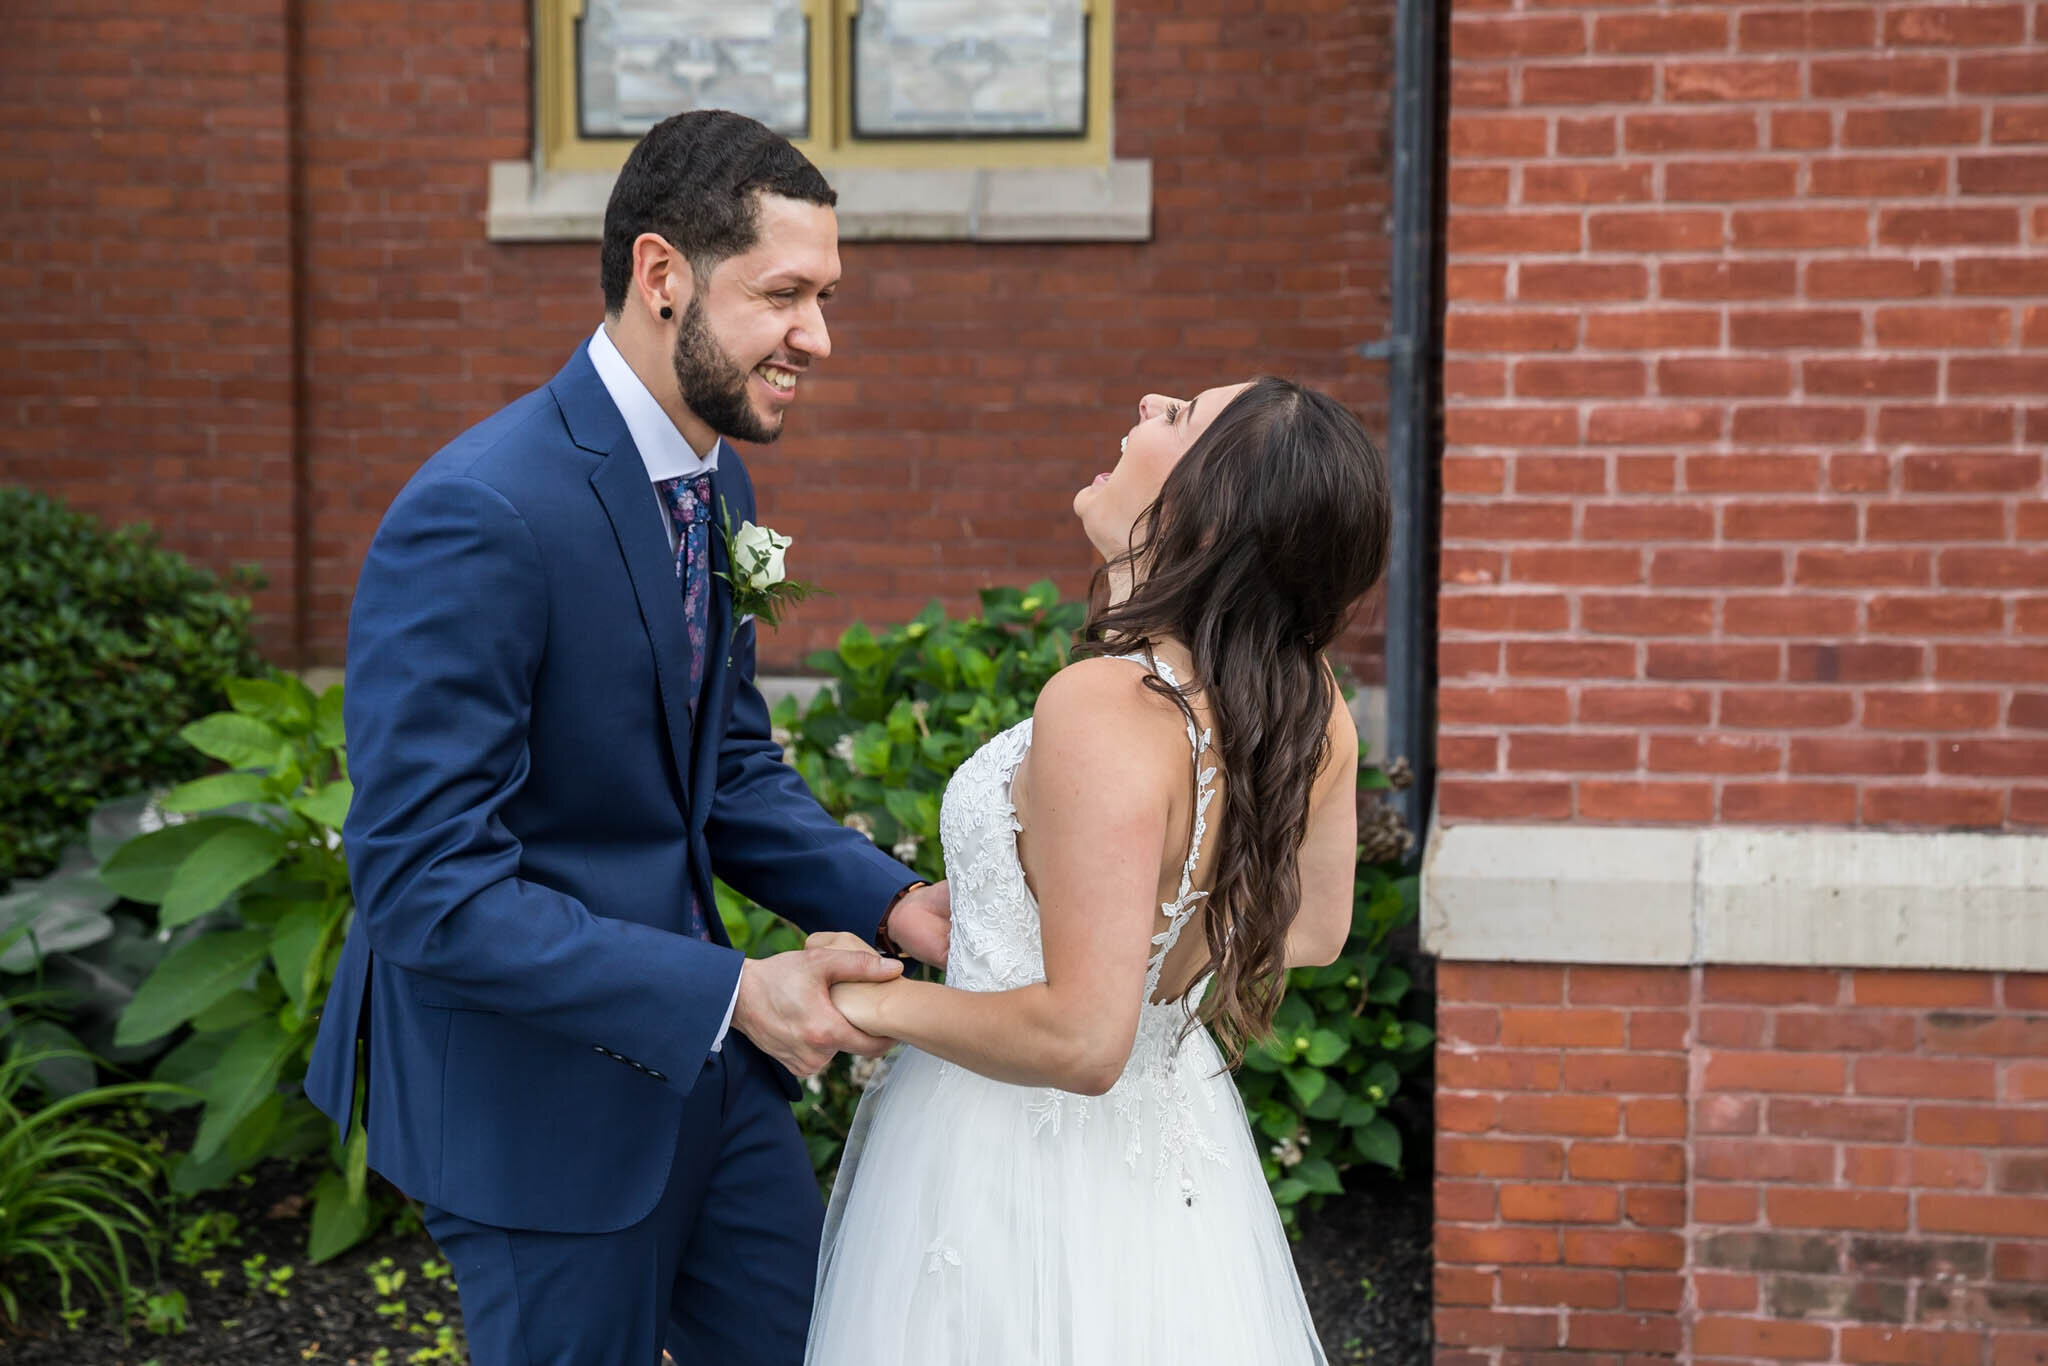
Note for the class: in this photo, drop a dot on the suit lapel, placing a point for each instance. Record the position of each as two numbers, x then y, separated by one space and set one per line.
711 705
621 484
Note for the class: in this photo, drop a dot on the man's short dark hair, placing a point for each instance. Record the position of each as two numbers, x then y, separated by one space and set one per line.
696 178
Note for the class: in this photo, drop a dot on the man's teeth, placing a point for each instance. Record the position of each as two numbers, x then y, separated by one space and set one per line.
782 379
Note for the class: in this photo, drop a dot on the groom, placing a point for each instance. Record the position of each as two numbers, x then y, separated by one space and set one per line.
556 742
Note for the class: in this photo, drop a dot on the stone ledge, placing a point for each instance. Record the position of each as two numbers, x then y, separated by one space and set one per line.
1731 894
1075 204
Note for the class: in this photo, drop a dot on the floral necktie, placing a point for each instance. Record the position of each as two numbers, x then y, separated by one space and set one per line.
688 500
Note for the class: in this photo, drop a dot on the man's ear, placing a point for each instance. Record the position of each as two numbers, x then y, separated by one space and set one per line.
662 278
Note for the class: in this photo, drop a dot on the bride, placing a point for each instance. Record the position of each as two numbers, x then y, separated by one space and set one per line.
1056 1170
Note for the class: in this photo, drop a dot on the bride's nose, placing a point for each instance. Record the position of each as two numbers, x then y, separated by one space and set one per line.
1152 404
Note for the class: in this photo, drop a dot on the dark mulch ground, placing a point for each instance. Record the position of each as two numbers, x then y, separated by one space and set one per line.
329 1314
1364 1259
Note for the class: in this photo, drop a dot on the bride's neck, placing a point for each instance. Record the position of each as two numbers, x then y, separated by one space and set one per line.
1121 582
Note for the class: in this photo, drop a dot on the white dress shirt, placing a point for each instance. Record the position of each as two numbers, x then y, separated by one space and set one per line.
667 455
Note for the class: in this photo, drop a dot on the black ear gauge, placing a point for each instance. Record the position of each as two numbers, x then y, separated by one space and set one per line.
667 312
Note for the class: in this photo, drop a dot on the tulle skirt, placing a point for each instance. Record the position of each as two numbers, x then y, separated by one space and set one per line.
976 1223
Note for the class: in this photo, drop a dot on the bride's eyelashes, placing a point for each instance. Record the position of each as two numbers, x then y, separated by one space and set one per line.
1172 413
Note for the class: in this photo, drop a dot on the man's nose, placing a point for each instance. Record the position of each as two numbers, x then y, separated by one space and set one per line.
810 335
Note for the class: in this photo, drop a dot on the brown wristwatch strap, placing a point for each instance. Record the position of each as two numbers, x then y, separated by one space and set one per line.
882 939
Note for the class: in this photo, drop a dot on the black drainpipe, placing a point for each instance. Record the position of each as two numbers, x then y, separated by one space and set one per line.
1413 352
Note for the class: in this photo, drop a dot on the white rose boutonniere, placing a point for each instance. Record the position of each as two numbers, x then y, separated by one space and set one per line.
755 572
760 551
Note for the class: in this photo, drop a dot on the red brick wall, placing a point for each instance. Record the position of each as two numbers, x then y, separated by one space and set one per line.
1728 1165
972 388
1747 388
145 289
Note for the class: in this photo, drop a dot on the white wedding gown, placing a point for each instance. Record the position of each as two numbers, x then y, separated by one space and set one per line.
977 1223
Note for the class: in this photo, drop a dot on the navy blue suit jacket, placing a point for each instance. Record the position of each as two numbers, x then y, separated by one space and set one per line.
534 804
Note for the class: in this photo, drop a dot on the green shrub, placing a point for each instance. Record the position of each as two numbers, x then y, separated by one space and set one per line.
107 645
259 865
1342 1047
72 935
902 711
77 1193
878 743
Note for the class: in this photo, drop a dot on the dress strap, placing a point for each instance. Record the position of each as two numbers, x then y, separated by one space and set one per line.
1178 910
1205 774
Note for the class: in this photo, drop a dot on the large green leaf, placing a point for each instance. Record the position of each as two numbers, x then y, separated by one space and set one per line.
249 1143
56 914
1389 985
328 805
1319 1176
196 976
327 728
292 944
1329 1105
1325 1046
281 700
236 740
1378 1142
858 648
212 793
1293 1020
245 1077
141 869
63 1068
1307 1083
230 859
340 1220
231 1011
189 1064
871 751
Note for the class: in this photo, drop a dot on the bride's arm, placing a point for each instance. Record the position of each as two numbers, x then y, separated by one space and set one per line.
1108 759
1329 852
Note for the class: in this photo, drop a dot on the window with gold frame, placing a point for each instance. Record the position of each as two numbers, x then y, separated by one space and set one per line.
853 83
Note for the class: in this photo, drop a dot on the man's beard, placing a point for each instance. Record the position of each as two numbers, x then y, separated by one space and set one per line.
713 385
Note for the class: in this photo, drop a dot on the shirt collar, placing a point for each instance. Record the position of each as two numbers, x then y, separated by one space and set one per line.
662 448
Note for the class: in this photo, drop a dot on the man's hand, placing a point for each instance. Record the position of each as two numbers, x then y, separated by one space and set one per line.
922 923
785 1004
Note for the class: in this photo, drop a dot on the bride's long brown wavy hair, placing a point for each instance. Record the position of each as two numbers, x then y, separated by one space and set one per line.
1268 531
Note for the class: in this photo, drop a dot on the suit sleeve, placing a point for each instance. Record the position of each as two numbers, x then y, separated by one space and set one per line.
771 840
445 641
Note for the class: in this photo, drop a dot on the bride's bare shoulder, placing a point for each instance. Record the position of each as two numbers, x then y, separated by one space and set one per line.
1106 701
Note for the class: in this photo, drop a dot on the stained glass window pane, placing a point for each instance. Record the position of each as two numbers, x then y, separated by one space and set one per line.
969 67
639 61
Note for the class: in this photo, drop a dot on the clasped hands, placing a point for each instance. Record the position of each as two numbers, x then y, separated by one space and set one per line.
804 1006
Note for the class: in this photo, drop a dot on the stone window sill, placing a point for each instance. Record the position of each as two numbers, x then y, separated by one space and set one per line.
992 205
